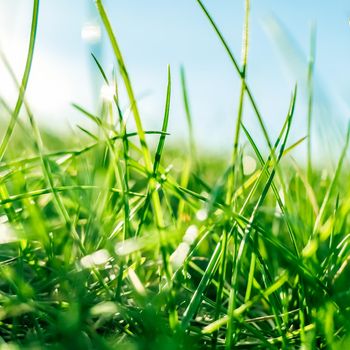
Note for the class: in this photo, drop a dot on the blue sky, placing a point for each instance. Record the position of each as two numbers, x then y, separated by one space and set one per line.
155 33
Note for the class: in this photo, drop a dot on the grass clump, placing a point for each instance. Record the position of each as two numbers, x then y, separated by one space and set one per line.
108 246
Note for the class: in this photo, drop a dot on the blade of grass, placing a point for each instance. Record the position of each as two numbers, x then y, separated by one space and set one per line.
232 177
239 71
161 142
24 83
127 82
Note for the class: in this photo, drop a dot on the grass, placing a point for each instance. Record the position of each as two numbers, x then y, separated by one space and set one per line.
107 245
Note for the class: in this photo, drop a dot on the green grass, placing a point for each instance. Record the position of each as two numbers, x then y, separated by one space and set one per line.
105 243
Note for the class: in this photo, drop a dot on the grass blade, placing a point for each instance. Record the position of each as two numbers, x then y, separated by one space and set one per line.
24 83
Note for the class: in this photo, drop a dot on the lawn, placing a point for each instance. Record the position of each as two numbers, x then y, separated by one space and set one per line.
109 243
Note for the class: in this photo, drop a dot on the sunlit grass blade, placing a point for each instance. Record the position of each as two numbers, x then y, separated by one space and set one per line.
161 142
239 71
127 82
24 82
243 70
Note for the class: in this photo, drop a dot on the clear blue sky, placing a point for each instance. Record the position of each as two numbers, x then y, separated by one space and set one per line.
155 33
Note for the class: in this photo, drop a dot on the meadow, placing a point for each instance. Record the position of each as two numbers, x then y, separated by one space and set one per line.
109 243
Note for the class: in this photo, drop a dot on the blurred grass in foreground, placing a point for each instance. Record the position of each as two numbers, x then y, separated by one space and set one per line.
114 244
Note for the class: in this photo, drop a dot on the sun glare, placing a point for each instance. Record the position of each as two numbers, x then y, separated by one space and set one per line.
91 33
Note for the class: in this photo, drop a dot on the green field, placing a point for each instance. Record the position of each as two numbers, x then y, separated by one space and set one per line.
109 243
